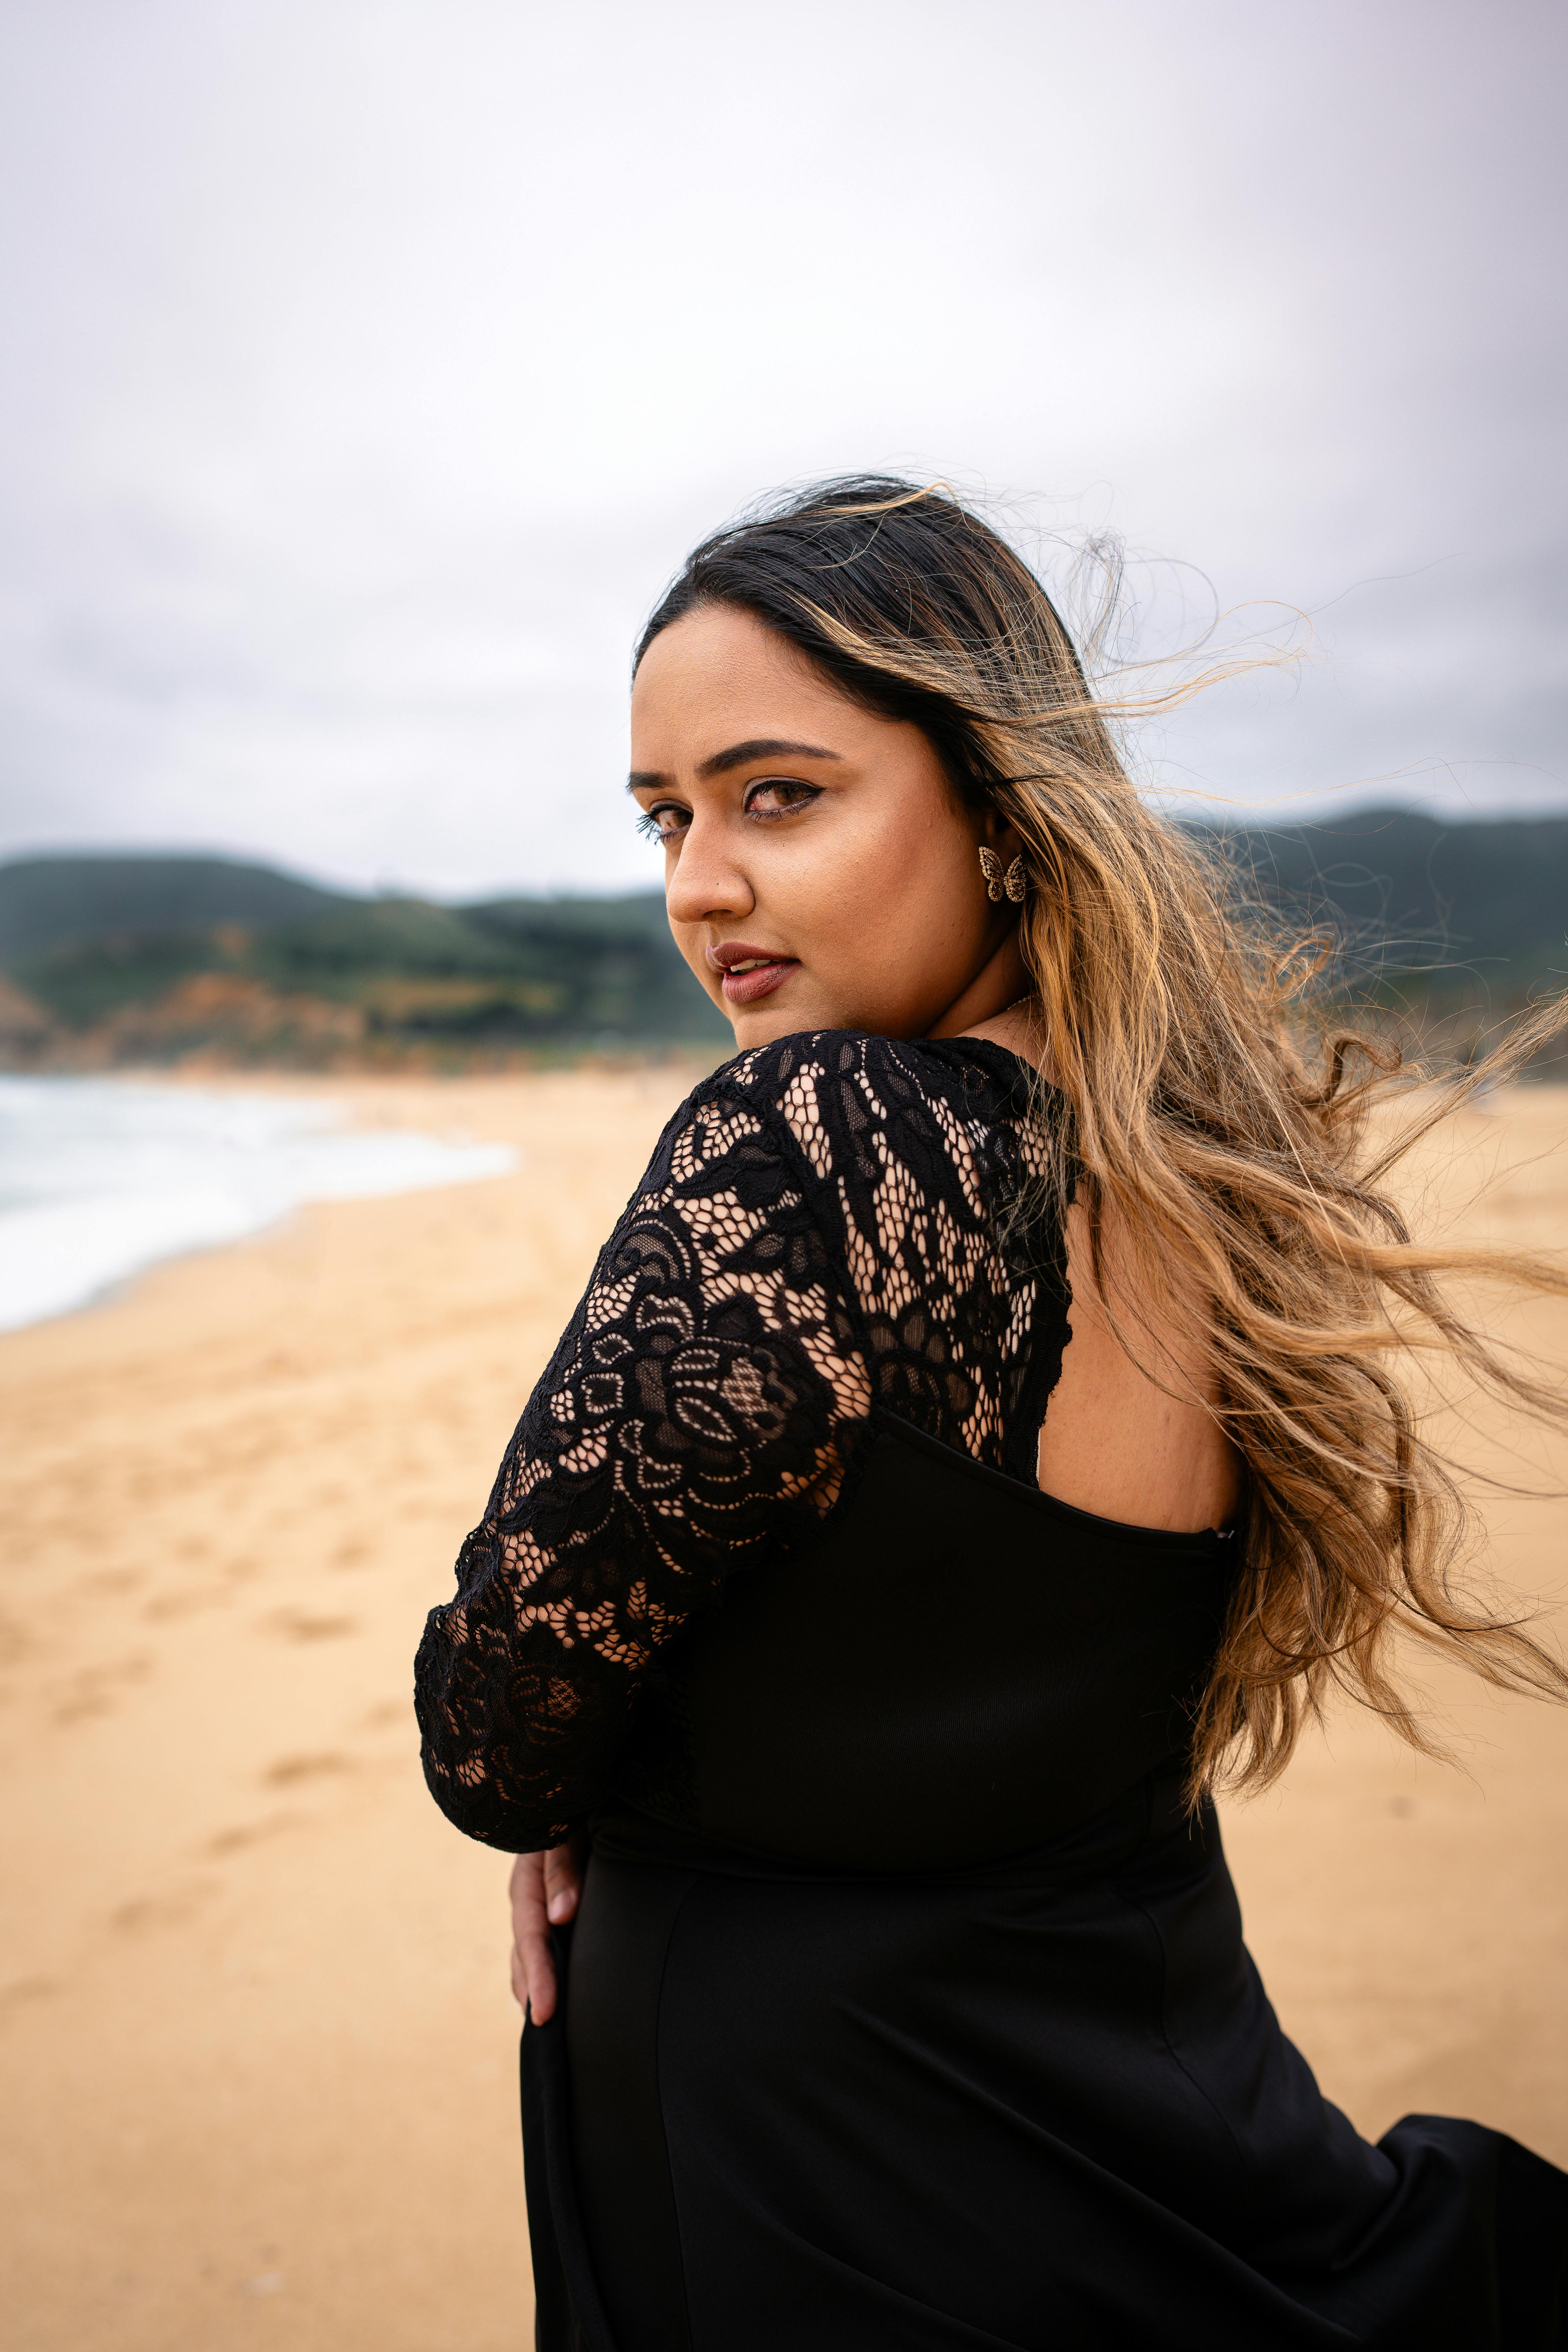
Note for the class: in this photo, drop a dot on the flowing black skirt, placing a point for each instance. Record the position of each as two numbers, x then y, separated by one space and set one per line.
1044 2105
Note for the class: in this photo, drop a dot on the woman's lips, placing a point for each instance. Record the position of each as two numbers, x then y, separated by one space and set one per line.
749 971
745 986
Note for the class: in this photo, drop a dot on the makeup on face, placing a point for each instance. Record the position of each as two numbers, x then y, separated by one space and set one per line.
749 973
820 869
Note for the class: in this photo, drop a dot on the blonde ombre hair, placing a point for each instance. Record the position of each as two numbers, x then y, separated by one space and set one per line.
1204 1118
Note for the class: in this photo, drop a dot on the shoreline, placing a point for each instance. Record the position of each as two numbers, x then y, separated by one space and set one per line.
113 1176
383 1105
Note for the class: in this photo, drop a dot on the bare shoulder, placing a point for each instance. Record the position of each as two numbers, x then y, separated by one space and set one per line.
1020 1031
1131 1432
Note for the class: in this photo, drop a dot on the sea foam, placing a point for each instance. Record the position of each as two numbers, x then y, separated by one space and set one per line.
100 1177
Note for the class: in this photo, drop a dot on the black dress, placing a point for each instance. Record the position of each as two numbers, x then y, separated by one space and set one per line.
907 2009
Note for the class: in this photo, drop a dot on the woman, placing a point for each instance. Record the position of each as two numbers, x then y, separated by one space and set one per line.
847 1655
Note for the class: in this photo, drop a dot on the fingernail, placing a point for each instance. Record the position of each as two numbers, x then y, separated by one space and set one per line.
558 1907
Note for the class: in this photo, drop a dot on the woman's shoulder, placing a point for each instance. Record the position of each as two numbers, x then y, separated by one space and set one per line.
855 1103
975 1071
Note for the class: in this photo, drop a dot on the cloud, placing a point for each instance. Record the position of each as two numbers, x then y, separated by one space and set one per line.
384 359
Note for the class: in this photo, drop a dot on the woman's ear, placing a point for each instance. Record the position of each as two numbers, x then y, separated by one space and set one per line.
997 834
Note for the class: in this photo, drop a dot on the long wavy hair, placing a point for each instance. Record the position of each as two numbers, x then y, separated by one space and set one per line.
1207 1119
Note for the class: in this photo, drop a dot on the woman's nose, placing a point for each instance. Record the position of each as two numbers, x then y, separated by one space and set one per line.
708 881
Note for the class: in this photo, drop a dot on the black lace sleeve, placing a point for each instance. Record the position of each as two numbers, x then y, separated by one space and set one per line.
835 1224
697 1415
925 1162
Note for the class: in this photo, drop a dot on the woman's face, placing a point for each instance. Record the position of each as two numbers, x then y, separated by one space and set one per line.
820 870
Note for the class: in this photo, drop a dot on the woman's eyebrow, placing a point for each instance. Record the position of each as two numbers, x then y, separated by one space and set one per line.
761 747
757 746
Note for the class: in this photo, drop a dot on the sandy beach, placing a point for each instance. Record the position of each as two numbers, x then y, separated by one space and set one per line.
258 2049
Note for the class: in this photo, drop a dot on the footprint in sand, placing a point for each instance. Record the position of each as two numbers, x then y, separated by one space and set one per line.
167 1605
301 1625
387 1712
170 1909
95 1689
249 1833
113 1581
288 1770
21 1993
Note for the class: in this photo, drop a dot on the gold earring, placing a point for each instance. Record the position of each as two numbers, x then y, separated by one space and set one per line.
1013 881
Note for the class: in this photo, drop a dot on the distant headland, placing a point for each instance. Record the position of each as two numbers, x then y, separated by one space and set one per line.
131 959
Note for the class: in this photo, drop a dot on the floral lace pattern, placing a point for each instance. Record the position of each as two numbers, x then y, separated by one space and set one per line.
829 1225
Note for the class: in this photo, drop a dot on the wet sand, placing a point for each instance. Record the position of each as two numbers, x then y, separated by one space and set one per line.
258 2052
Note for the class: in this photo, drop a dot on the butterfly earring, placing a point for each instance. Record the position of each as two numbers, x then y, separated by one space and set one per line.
1013 882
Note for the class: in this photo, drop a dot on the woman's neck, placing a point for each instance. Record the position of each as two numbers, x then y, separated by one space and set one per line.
998 1004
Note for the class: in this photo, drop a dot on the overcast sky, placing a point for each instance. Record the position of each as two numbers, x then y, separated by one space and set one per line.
370 367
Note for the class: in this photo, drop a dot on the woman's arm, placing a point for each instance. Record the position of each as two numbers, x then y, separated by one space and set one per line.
693 1418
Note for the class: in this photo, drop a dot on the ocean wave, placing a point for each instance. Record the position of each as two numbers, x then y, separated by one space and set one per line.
102 1176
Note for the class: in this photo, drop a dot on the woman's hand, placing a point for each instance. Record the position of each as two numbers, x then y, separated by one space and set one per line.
545 1888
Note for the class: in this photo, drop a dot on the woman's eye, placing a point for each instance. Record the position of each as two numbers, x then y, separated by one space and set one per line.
779 796
664 821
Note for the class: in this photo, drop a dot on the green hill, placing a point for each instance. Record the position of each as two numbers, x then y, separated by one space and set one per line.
106 959
570 970
46 902
1474 911
115 959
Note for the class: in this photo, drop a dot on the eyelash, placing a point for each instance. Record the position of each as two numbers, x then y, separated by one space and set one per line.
651 830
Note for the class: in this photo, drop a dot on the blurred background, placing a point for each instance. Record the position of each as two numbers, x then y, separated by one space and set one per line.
371 368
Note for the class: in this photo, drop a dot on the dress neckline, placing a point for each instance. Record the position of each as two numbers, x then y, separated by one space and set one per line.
1033 1073
1210 1543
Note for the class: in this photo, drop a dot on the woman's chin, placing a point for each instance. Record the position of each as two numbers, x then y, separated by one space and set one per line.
760 1025
785 1013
